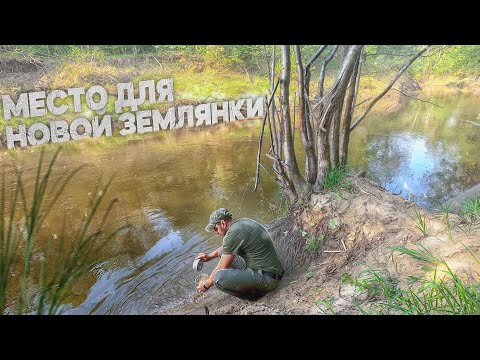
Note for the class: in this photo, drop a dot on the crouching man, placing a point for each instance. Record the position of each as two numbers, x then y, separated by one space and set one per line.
249 266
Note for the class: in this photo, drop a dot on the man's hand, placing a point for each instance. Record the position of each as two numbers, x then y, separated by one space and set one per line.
202 286
203 257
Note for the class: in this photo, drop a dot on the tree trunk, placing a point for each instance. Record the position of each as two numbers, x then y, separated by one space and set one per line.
331 111
323 159
347 118
305 127
334 138
290 160
335 113
281 131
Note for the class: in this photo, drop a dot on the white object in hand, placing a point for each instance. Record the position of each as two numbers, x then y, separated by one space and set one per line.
197 265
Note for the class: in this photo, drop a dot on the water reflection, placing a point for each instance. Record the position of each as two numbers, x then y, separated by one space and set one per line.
131 289
407 165
424 153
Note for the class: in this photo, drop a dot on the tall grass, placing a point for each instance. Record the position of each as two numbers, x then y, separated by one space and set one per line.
443 292
445 211
334 178
420 222
20 222
337 179
325 305
471 209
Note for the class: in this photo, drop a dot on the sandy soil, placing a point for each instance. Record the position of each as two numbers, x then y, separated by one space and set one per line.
368 220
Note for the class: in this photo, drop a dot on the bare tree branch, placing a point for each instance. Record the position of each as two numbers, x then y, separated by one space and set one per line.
382 94
268 65
411 54
257 177
273 69
321 79
273 136
361 102
319 52
271 177
414 98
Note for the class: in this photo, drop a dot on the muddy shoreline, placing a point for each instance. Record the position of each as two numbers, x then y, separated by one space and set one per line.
371 221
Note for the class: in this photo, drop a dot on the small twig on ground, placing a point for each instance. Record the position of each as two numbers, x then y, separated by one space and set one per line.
366 192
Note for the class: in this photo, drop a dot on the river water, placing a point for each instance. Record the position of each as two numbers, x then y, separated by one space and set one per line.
168 183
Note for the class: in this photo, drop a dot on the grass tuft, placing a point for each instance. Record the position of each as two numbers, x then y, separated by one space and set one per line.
442 292
313 243
334 178
471 209
420 222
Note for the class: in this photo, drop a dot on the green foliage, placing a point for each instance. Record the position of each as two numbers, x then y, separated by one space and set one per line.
313 243
300 202
471 209
20 221
376 283
59 51
82 55
245 56
336 179
460 60
326 305
348 185
421 253
334 224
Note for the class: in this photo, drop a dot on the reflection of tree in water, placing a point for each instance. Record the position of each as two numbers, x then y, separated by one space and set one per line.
386 159
445 182
450 149
176 176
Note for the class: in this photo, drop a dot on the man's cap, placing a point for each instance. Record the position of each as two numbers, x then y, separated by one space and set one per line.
217 216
